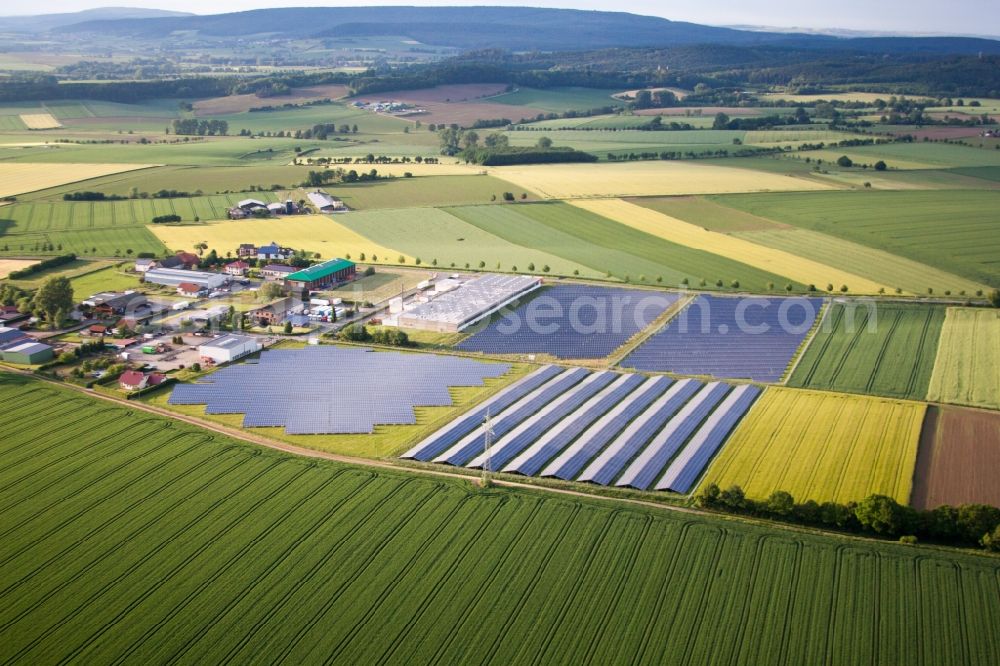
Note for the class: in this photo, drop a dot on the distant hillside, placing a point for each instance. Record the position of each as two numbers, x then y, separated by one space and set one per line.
514 28
49 22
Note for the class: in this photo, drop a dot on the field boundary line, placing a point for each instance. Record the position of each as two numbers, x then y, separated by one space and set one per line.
806 344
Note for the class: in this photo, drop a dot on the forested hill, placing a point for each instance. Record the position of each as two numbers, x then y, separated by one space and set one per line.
48 22
514 28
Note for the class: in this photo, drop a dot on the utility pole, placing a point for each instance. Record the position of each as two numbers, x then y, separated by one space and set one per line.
487 445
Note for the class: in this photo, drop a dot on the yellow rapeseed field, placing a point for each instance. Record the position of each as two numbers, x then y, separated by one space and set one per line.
967 367
633 179
780 262
314 233
40 121
21 177
822 446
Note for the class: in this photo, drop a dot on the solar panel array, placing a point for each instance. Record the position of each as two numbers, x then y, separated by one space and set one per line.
730 338
604 427
334 390
572 321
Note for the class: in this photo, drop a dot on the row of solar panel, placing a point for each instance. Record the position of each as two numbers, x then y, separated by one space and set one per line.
751 338
602 427
572 322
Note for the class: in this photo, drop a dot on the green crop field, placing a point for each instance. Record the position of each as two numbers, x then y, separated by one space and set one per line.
965 371
950 230
608 247
430 233
557 100
128 537
886 349
98 242
308 116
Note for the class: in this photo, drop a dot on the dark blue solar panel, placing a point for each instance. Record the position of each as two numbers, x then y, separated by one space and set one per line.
572 321
449 435
625 447
750 337
591 442
689 465
325 389
472 445
647 467
531 429
556 440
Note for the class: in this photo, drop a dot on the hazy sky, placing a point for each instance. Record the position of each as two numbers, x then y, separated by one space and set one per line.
924 16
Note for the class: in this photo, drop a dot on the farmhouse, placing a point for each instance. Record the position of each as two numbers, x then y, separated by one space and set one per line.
136 380
26 353
277 271
325 203
461 306
115 303
246 250
323 275
228 348
172 277
97 331
274 252
144 264
237 268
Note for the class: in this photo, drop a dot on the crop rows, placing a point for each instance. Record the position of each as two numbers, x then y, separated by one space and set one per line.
965 370
886 349
168 544
822 446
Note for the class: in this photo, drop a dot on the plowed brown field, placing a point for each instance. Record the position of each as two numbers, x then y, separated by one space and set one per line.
958 459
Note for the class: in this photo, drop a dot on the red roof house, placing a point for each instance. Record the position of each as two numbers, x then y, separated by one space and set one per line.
238 268
188 289
132 380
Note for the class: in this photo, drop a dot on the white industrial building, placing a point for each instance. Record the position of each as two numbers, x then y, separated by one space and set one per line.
325 203
229 348
461 304
173 277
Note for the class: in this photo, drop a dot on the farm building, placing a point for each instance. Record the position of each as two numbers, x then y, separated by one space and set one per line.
246 250
9 335
276 208
325 203
323 275
277 271
27 353
97 331
10 315
237 268
187 260
460 307
250 205
228 348
144 264
172 277
114 303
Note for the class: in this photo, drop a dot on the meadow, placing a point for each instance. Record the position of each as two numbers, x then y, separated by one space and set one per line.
433 234
887 349
965 370
635 179
131 537
557 100
949 230
111 278
22 177
823 447
779 262
608 247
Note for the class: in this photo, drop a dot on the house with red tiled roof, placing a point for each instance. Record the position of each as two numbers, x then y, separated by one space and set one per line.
189 289
237 268
132 380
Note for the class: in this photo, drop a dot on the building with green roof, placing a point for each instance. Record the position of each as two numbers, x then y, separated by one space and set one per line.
321 276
